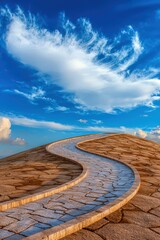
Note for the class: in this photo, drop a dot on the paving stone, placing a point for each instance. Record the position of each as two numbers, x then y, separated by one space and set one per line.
31 230
94 195
47 213
66 218
33 206
115 217
42 225
83 235
22 173
87 207
4 221
19 216
58 208
126 231
76 212
49 221
15 237
156 195
5 233
149 182
20 225
130 206
141 218
5 189
145 203
97 225
156 211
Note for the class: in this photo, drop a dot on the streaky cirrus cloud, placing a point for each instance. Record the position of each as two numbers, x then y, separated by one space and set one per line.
28 122
5 132
34 94
83 62
5 129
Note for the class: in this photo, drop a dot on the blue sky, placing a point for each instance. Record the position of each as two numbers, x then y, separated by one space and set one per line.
75 67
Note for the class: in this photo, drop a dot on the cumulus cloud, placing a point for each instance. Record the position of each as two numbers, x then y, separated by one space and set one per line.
154 134
5 131
19 141
5 128
140 133
95 70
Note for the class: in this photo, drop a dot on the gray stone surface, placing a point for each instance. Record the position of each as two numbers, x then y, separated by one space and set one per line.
106 180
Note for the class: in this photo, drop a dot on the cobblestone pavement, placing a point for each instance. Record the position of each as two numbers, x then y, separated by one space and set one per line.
33 171
140 218
106 181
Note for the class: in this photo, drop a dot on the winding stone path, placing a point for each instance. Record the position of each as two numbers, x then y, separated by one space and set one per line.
104 186
139 219
34 171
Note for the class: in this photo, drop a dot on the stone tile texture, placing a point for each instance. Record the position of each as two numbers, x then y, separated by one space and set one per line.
140 218
106 181
33 171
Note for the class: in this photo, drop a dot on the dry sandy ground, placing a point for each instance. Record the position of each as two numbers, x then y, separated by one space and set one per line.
33 171
140 218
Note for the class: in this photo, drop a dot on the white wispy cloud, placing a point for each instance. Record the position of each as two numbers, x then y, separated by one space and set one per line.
83 120
97 121
62 108
5 133
34 94
5 129
28 122
56 108
103 129
83 62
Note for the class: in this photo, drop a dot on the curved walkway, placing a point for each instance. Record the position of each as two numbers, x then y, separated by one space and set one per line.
140 218
106 185
32 175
